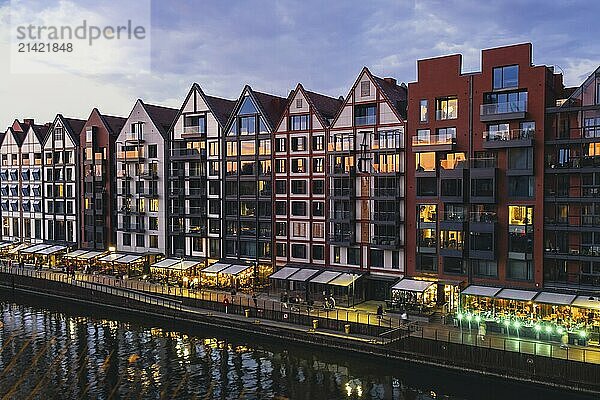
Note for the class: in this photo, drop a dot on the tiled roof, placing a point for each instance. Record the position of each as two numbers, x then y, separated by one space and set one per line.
396 94
114 123
273 106
161 116
75 125
221 108
325 105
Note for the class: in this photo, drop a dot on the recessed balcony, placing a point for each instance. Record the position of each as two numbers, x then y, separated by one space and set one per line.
508 138
503 111
433 143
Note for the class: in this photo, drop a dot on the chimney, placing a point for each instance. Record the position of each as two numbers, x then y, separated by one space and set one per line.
28 121
390 80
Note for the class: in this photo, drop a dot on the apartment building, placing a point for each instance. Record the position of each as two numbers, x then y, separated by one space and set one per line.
476 170
21 182
365 173
300 179
142 165
248 194
196 178
572 189
98 184
62 196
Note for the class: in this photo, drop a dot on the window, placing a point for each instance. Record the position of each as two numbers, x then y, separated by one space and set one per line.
318 164
298 208
521 186
153 223
484 268
365 88
280 166
126 239
299 122
152 151
318 209
280 144
365 114
506 77
318 252
59 134
280 186
299 165
482 187
426 187
423 115
280 249
451 187
318 230
231 149
153 241
194 124
318 186
481 241
376 258
247 148
264 147
318 143
247 125
298 143
353 256
298 250
520 158
427 240
298 103
520 215
425 162
451 240
499 103
298 186
298 229
280 229
427 213
446 108
454 265
520 270
280 208
213 148
426 263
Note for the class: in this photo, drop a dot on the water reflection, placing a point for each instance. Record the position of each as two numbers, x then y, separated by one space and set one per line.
50 354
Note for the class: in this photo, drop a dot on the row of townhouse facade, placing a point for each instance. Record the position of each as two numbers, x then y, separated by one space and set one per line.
486 177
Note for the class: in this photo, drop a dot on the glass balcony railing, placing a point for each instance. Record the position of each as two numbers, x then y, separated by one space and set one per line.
504 108
488 217
512 134
433 140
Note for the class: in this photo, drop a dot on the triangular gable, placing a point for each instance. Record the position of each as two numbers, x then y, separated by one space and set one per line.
249 102
70 139
365 73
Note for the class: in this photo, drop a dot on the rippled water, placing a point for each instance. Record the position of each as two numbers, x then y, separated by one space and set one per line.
70 352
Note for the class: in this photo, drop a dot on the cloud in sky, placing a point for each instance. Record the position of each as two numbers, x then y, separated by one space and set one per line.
272 45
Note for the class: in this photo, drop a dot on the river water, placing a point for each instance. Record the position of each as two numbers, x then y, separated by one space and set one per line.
58 351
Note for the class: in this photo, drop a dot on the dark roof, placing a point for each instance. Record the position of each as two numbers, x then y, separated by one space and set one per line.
2 134
396 94
221 108
325 105
272 106
75 125
113 123
161 116
41 131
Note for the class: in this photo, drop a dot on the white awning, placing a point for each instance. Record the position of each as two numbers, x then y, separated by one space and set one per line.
35 248
90 255
215 268
166 263
75 254
51 250
19 247
284 273
481 291
303 275
325 277
344 279
559 299
4 244
112 257
412 285
585 302
235 269
516 294
189 264
130 258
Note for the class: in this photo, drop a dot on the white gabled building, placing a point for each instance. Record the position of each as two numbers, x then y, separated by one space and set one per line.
196 176
62 195
142 163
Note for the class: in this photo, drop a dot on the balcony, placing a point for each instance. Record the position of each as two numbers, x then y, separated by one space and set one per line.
433 143
188 154
385 242
342 239
503 111
132 210
123 174
195 192
134 137
193 131
131 155
341 216
132 227
508 138
149 193
453 220
150 174
483 221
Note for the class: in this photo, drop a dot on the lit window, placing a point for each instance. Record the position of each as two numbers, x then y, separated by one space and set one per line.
423 116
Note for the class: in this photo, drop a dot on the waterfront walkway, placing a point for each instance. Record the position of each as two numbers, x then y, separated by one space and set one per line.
282 316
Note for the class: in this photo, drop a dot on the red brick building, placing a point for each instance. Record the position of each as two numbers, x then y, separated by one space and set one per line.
475 170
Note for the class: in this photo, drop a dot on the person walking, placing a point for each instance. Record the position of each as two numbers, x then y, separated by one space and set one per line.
226 304
379 312
255 300
481 331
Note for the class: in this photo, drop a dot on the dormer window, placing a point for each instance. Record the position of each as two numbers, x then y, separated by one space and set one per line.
59 134
194 124
299 122
365 114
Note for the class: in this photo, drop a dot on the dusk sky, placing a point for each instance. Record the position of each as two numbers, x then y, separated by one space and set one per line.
273 45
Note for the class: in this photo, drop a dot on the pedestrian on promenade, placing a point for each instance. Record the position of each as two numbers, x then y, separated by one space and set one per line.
284 299
226 303
255 300
481 331
379 312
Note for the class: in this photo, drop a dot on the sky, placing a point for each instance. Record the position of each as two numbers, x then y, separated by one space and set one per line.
273 45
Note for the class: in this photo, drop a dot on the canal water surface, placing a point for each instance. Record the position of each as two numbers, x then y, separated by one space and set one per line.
59 351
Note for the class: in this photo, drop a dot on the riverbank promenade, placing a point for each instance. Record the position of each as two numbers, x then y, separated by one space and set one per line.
360 323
